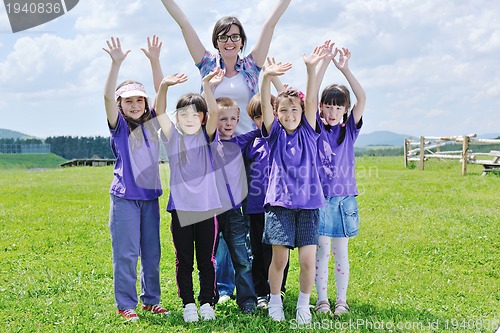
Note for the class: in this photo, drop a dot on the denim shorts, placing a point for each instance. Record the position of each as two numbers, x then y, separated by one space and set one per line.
291 227
339 217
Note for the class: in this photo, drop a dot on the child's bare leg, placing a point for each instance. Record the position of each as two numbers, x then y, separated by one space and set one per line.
307 257
277 267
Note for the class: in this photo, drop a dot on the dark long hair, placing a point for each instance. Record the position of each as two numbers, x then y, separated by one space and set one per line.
199 104
338 94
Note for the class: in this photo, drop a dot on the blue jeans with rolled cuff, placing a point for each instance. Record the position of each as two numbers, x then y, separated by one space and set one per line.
234 229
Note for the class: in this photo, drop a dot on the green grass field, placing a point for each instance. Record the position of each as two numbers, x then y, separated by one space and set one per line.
426 259
30 161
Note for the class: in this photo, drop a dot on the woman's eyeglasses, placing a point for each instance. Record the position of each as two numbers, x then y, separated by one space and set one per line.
225 38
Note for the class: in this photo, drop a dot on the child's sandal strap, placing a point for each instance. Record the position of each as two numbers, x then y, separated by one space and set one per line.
342 305
340 308
323 307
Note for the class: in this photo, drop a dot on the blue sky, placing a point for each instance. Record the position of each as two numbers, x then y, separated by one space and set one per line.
428 67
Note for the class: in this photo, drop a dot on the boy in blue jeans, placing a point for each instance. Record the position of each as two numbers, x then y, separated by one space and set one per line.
232 187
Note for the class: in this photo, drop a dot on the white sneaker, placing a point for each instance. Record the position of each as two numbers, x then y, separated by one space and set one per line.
207 312
276 312
223 298
303 315
190 313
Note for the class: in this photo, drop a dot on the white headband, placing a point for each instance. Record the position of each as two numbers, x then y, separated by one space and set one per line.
131 89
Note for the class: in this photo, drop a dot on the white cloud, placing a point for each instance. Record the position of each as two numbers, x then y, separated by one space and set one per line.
427 67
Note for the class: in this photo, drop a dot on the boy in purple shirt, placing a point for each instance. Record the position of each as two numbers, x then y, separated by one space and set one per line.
294 193
233 188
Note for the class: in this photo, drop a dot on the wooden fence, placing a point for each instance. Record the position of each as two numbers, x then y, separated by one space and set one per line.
94 162
430 147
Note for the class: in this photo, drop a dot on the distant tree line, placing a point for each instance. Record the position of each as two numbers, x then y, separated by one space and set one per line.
68 147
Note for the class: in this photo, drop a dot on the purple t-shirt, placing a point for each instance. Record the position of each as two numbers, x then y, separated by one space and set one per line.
136 172
230 169
336 162
192 177
256 157
293 175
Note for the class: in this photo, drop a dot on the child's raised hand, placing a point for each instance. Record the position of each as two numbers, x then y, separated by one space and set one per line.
154 48
344 57
214 78
115 50
316 55
328 49
274 68
174 79
270 61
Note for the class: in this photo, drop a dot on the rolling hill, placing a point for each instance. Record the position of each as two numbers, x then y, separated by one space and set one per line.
381 138
9 134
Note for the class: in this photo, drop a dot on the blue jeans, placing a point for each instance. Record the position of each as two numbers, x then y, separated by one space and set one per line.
225 269
135 232
234 230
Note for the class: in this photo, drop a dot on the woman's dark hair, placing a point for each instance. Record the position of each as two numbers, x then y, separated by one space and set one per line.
338 94
223 25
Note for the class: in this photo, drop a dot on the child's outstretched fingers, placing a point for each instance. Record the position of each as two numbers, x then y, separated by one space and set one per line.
316 55
347 53
213 79
115 50
270 61
154 47
344 56
277 69
212 74
174 79
328 47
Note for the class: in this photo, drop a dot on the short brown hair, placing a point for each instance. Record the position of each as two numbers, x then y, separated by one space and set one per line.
254 107
227 103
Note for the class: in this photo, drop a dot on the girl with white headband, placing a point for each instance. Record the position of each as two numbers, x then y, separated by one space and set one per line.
134 218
